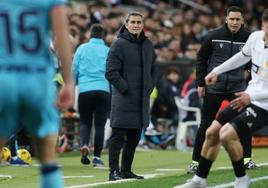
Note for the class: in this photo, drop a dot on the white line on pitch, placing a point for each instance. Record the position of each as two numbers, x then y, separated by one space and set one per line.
146 176
69 177
169 169
101 167
232 183
230 167
6 176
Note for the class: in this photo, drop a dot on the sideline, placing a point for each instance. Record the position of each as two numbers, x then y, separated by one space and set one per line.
146 176
232 183
230 167
5 176
69 177
169 169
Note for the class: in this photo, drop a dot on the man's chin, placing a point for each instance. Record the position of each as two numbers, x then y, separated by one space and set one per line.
234 30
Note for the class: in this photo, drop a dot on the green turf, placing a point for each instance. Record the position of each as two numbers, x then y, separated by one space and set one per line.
144 163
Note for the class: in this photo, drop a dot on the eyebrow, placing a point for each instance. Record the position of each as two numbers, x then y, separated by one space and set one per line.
135 21
235 18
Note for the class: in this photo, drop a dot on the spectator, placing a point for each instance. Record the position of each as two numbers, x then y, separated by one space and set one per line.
190 97
164 105
89 70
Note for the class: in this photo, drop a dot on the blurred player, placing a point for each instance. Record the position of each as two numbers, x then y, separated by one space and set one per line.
246 114
220 44
26 74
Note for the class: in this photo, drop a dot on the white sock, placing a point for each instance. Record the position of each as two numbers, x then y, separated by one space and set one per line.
243 177
199 179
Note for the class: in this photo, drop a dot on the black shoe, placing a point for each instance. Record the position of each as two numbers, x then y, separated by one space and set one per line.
129 174
251 165
192 167
84 159
114 175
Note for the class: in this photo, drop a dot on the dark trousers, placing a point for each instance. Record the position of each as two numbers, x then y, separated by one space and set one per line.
211 105
127 139
93 103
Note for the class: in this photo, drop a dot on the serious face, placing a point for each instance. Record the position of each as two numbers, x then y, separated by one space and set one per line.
234 21
135 25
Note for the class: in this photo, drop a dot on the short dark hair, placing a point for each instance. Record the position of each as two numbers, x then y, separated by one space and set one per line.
264 17
234 9
133 13
173 69
96 31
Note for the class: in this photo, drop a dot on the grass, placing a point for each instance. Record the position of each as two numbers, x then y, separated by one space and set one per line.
145 163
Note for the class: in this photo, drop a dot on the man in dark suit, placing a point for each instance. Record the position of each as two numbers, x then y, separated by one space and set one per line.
130 70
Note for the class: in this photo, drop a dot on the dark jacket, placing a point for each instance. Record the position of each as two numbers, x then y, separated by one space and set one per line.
164 105
130 70
219 45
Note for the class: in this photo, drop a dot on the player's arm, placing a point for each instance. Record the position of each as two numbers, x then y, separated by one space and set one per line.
237 60
234 62
63 44
64 49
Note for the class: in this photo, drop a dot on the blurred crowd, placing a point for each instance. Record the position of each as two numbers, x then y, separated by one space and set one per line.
176 29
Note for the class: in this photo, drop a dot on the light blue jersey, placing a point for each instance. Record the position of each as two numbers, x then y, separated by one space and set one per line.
89 65
26 68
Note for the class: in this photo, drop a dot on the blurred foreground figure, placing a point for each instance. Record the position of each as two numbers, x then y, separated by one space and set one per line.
245 114
219 45
29 94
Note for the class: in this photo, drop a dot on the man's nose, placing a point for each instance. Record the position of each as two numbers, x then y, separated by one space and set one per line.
235 21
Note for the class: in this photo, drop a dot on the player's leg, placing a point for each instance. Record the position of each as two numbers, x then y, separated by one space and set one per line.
210 148
8 107
250 119
50 173
210 108
45 139
41 120
246 144
211 144
209 153
231 142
